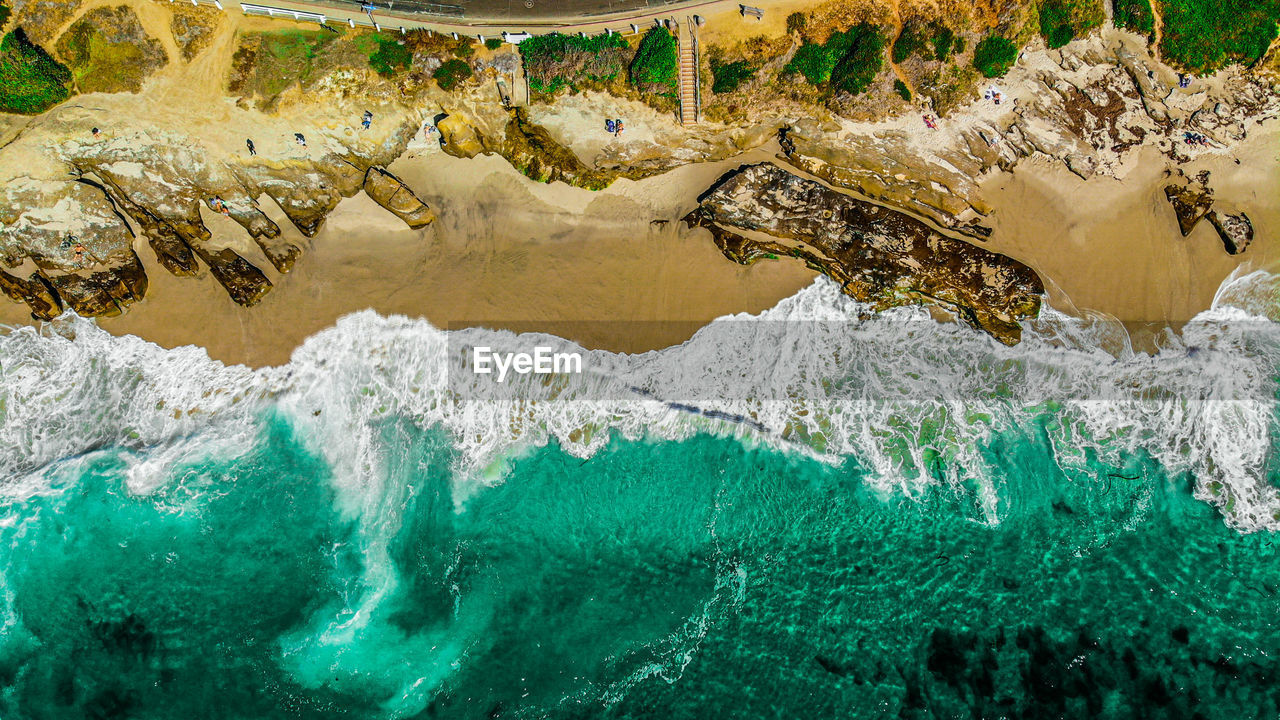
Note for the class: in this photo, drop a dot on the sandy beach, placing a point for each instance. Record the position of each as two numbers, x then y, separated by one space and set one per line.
508 252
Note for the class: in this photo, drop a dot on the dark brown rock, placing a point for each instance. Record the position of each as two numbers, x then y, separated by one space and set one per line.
1235 230
1190 203
879 255
44 303
388 191
105 291
243 281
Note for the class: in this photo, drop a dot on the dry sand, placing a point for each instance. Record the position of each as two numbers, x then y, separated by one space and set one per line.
507 252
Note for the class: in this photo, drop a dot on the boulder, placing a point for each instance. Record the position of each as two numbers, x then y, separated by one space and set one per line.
1190 203
391 193
879 255
1235 230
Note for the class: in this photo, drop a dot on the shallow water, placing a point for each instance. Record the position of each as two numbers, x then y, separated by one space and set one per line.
1074 533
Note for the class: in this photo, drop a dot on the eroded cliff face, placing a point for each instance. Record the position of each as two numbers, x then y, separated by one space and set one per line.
878 255
72 204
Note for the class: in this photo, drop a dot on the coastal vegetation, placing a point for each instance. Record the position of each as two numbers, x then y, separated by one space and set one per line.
555 61
389 55
1062 21
727 76
107 50
31 81
493 43
452 73
846 61
994 56
653 69
1205 35
903 91
1135 15
268 62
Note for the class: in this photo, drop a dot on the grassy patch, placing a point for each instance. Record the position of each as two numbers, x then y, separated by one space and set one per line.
910 41
389 56
1134 15
654 67
1205 35
107 50
493 43
903 91
945 42
31 81
555 61
4 14
1062 21
729 75
994 55
847 61
452 73
795 22
267 63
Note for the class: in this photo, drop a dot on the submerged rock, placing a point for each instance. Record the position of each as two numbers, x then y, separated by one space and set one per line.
878 255
391 193
1235 230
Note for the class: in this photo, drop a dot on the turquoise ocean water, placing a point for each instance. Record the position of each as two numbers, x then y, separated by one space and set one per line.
182 540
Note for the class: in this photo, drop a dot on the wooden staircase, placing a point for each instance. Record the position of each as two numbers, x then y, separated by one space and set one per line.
689 95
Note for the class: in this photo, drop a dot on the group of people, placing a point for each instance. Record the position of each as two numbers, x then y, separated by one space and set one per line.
220 205
614 126
930 121
1194 138
994 95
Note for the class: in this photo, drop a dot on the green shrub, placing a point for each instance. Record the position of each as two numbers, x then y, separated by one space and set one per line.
994 56
1055 24
465 49
31 81
4 14
944 41
848 60
654 67
909 42
728 76
493 43
1134 15
859 66
452 73
389 57
1205 35
555 60
795 22
902 90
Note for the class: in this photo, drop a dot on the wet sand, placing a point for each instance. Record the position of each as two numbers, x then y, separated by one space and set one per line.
507 252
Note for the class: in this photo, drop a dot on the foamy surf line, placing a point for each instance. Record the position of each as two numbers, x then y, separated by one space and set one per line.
912 400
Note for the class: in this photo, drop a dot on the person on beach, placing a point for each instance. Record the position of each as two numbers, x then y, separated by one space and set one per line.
298 138
617 127
249 144
367 120
95 132
610 126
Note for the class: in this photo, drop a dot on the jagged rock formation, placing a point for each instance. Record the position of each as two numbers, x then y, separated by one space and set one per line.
388 191
1235 230
1089 106
878 255
1190 203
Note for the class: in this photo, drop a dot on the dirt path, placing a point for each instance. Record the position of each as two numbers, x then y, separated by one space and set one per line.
1159 28
897 32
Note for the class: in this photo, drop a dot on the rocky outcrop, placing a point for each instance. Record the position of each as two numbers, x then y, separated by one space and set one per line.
879 256
1190 203
1235 230
388 191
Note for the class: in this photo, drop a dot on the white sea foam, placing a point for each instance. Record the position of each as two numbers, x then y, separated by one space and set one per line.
913 400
